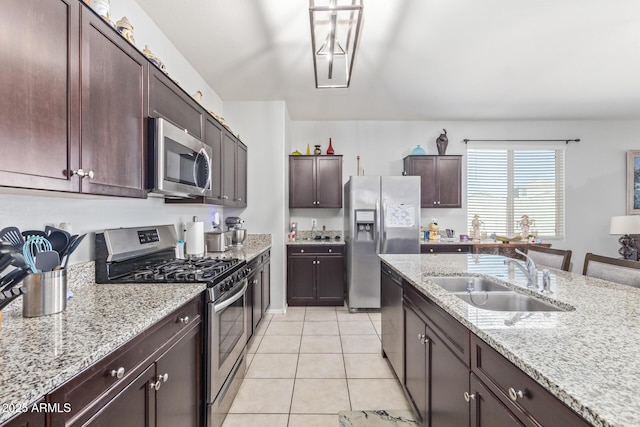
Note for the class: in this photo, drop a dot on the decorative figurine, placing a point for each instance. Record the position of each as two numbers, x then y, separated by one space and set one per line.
317 151
433 230
154 59
525 223
475 223
330 148
125 28
101 7
442 143
198 97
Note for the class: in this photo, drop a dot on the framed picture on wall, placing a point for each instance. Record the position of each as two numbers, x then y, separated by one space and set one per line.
633 182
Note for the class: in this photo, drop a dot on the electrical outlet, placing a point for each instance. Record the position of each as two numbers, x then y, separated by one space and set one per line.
314 223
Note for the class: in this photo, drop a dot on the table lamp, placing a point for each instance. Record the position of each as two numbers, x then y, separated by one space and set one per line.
626 226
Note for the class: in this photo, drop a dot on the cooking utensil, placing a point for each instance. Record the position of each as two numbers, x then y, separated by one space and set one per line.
47 260
59 240
14 294
32 246
29 233
12 235
72 247
5 261
13 278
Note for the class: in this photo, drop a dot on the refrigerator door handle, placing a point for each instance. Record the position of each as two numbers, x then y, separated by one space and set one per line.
376 230
383 227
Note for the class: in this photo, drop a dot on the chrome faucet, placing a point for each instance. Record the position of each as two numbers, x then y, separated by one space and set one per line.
530 270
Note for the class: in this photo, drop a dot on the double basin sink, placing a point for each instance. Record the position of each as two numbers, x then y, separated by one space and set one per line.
489 294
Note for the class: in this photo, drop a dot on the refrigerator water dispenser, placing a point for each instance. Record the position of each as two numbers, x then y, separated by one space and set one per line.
365 225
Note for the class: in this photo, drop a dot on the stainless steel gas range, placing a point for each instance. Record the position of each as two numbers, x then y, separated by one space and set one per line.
147 255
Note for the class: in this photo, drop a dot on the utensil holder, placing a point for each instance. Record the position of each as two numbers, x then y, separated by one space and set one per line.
46 293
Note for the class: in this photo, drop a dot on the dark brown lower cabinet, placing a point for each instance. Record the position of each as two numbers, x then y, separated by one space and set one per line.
29 418
487 410
258 290
315 275
155 379
435 378
132 407
454 378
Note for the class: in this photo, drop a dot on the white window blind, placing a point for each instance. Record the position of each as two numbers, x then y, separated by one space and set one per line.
504 184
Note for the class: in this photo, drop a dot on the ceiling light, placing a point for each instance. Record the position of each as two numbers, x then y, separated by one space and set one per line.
337 22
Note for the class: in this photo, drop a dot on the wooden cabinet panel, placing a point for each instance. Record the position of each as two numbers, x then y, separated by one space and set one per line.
266 285
440 248
228 170
39 89
256 297
302 192
519 391
330 279
329 182
449 382
315 181
301 280
113 111
315 275
132 407
486 410
178 401
416 356
168 101
241 176
213 138
440 179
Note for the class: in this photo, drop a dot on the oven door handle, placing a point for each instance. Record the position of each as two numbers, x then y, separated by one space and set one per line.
227 302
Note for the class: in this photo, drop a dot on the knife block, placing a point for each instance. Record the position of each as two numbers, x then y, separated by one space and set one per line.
46 293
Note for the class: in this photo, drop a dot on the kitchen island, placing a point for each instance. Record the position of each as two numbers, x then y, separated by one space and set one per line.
587 356
42 353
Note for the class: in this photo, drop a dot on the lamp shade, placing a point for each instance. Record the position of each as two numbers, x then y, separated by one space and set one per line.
626 224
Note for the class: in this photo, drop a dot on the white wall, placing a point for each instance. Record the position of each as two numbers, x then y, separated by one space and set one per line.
146 32
263 128
595 167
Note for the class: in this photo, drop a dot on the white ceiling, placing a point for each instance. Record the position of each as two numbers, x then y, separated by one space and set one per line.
422 59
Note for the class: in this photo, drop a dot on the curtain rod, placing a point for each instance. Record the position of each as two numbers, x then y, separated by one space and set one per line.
566 141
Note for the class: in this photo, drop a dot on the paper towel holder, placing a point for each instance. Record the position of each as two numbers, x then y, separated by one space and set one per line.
194 236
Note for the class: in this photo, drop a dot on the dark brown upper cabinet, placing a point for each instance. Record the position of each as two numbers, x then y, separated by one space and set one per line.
440 179
72 101
315 181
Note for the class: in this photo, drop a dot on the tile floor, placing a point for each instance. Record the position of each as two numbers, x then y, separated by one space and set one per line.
310 364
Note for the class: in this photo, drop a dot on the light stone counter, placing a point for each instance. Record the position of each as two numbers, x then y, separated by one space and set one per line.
39 354
588 357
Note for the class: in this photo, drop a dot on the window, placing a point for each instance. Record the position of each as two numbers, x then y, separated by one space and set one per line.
504 184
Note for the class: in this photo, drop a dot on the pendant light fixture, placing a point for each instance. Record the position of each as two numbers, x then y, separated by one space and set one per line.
337 23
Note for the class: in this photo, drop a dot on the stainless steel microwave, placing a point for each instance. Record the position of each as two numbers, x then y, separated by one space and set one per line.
179 165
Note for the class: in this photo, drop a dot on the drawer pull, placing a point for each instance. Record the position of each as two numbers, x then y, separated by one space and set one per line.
431 250
469 397
459 249
330 250
514 395
301 251
161 379
184 319
119 373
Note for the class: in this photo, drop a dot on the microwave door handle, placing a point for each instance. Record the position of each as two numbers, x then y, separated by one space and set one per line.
227 302
207 183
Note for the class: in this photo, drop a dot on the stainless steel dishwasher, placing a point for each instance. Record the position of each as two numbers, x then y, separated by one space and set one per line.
392 319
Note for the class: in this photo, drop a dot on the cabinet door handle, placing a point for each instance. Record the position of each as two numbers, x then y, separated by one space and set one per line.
469 397
438 201
301 251
184 319
254 281
119 373
423 338
158 383
317 262
434 202
82 174
514 395
239 199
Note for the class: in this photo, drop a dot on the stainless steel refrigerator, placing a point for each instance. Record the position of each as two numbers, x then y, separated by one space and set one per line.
381 216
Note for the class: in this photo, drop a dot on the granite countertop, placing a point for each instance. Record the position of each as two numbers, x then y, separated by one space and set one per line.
253 246
587 356
316 242
41 353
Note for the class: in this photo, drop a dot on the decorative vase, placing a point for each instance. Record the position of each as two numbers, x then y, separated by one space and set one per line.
317 151
308 150
330 149
418 151
442 143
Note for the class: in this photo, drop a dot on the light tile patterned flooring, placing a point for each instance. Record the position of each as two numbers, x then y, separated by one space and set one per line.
310 364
